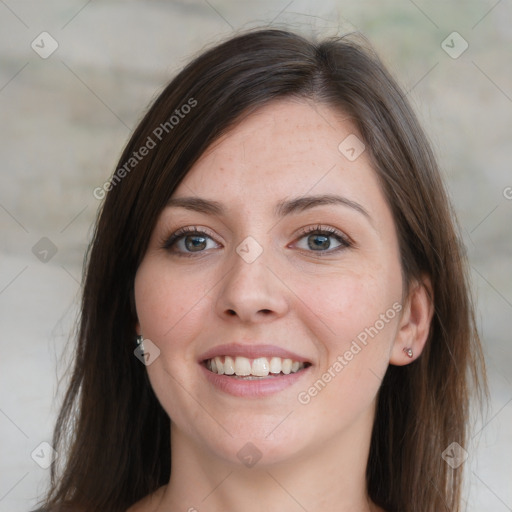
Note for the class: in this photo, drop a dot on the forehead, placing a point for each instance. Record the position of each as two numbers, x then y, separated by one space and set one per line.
286 148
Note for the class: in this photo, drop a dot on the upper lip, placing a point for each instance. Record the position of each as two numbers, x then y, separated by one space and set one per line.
251 352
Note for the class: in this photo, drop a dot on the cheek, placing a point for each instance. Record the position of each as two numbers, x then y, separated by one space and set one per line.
346 303
358 314
170 307
168 301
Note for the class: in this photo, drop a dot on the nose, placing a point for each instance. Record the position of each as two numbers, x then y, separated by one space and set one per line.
252 291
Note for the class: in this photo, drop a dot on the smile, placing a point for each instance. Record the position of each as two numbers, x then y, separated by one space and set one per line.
250 369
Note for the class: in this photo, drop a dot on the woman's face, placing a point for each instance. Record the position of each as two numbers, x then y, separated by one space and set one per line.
268 273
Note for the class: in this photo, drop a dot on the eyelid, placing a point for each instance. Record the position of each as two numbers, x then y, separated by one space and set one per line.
324 228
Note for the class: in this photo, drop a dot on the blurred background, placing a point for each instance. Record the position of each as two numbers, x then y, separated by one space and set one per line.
77 75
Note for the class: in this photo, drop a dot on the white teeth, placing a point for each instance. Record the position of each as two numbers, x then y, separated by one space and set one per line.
218 363
275 365
286 366
242 366
229 366
259 367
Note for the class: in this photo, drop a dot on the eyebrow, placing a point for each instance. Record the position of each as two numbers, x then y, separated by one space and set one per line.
282 208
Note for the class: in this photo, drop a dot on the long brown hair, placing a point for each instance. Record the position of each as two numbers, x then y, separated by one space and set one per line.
111 427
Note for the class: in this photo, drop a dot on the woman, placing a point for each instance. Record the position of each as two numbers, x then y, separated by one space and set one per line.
276 312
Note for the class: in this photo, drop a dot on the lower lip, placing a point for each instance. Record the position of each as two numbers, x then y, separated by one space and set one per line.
253 388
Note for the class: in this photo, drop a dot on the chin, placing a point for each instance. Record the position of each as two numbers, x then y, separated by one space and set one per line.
256 445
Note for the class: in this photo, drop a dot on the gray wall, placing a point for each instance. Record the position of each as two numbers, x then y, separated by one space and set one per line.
65 119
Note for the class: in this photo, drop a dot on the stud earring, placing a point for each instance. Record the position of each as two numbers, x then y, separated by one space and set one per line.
140 343
408 352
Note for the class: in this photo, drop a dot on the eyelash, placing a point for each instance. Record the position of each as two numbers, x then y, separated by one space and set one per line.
344 241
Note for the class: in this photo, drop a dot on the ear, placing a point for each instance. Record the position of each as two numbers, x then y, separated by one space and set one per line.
415 323
137 328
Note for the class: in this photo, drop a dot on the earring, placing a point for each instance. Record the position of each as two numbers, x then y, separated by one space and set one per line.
140 343
408 352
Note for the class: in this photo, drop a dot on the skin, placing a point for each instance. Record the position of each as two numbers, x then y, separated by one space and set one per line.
314 455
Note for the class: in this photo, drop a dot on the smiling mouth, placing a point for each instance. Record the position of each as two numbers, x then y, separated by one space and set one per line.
253 369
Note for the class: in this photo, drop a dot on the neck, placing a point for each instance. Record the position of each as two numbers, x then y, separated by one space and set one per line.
331 475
